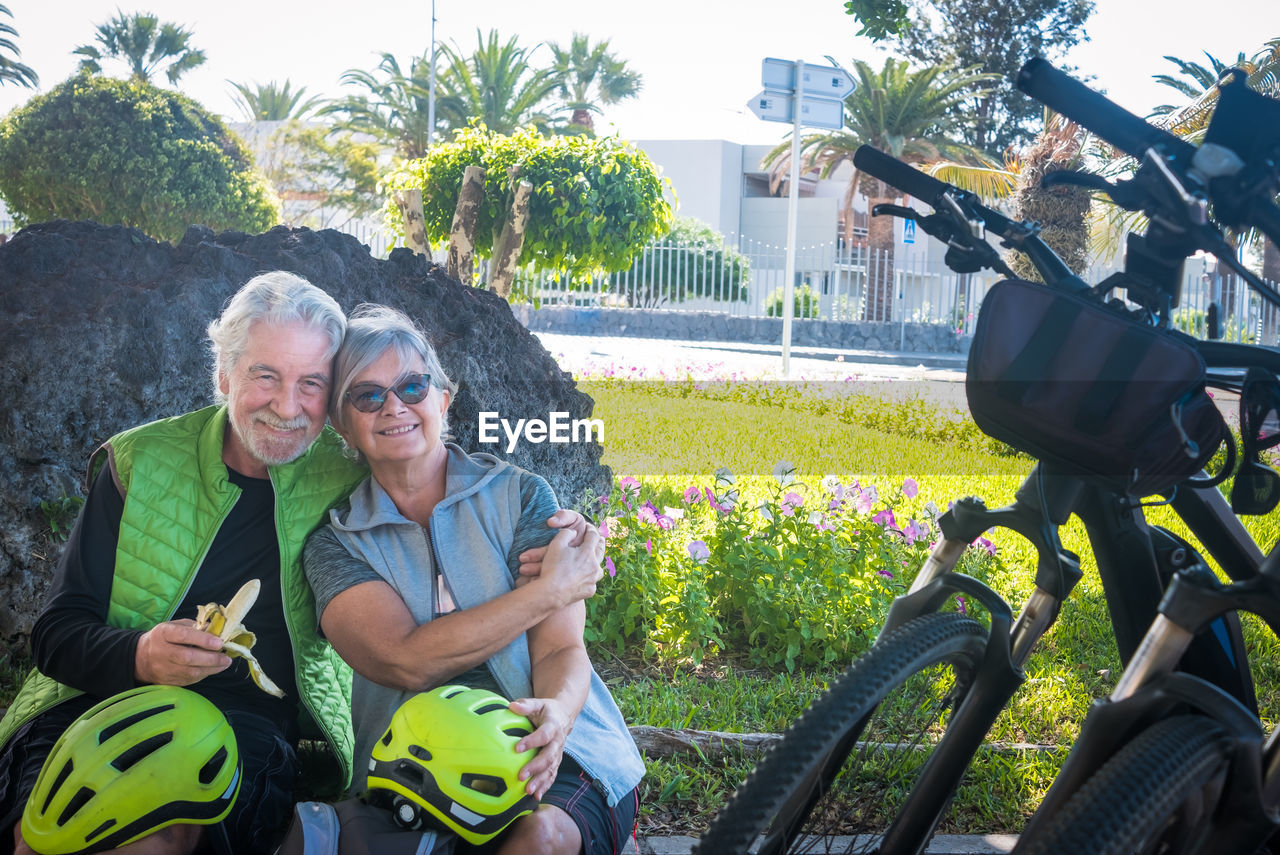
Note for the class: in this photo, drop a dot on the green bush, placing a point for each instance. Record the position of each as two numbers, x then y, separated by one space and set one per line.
596 201
804 302
690 261
126 152
800 578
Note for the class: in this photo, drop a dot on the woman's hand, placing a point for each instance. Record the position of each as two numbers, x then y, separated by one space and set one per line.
571 571
531 559
552 723
177 654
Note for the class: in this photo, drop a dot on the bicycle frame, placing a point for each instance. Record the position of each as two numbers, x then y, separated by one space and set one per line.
1249 811
1133 573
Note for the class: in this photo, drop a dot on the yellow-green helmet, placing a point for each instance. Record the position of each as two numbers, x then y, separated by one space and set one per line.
137 762
451 752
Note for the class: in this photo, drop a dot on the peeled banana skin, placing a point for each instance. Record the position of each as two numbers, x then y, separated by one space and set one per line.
226 622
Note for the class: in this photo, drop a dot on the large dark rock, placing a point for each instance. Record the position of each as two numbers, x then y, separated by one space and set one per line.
103 328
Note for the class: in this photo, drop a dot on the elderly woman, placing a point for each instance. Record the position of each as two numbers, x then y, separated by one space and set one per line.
418 584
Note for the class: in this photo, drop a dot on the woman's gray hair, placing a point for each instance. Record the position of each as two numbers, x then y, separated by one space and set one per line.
277 297
371 332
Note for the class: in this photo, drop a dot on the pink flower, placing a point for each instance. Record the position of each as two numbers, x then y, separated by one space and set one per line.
885 518
888 574
665 522
648 545
983 543
910 488
608 563
647 514
862 502
604 527
692 496
790 502
629 485
960 606
699 551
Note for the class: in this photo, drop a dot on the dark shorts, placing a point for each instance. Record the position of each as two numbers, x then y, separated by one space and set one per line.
257 820
605 830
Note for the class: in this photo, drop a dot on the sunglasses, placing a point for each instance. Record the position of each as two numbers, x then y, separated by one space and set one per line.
370 397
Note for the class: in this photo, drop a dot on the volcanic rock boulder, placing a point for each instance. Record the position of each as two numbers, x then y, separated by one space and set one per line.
104 328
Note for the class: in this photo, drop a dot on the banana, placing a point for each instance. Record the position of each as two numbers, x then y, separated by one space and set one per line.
227 622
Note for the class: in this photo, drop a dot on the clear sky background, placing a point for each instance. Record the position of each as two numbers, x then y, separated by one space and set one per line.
700 58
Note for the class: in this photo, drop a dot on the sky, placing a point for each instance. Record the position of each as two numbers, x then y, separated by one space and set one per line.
700 59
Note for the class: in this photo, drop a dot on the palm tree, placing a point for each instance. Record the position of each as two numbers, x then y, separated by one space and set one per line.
591 76
12 71
145 43
495 85
908 114
394 109
274 102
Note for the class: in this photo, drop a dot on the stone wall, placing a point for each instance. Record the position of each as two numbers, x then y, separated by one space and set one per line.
712 326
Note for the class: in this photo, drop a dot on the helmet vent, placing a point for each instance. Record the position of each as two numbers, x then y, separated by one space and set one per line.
410 774
490 785
386 737
129 721
141 750
210 770
488 708
517 731
421 753
57 785
77 801
100 830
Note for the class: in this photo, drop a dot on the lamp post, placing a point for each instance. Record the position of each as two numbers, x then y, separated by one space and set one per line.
431 82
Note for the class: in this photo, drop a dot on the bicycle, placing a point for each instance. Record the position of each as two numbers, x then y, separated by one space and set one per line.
1169 762
914 709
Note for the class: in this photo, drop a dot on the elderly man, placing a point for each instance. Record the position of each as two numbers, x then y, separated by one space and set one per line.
182 512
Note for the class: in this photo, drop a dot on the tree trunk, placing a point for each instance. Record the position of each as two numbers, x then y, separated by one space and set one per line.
462 234
880 268
409 201
583 119
507 246
660 742
1271 273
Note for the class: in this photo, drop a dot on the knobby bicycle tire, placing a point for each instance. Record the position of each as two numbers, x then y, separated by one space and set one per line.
808 765
1146 798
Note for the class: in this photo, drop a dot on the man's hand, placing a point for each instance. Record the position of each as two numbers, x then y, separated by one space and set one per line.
563 519
178 654
572 571
553 725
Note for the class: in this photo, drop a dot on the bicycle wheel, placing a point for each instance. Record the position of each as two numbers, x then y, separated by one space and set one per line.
1148 798
836 778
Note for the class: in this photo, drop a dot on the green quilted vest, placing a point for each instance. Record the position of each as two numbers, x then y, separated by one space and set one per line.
172 511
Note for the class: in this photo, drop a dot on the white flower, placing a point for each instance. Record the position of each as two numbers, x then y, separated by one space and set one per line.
724 476
764 510
784 471
674 513
815 517
830 483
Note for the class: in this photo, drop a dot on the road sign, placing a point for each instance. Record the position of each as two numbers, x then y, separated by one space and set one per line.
819 81
908 231
814 112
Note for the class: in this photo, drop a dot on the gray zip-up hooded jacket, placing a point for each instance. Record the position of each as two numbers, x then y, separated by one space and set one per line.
471 541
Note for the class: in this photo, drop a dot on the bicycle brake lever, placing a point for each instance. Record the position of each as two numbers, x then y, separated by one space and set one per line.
894 211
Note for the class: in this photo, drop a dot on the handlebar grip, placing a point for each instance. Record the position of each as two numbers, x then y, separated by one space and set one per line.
1063 93
893 171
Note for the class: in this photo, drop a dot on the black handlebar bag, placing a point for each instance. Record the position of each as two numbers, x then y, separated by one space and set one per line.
1085 387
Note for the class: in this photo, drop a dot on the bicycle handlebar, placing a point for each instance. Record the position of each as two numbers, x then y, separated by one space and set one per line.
1094 111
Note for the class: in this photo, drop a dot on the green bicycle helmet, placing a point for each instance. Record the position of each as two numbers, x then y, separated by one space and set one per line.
451 752
139 761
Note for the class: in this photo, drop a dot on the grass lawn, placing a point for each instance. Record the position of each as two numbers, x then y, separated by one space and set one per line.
659 437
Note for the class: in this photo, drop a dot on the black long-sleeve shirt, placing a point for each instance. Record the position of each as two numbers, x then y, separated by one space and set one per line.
72 643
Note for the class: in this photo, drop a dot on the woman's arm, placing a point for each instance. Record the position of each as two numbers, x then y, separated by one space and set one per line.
561 680
374 631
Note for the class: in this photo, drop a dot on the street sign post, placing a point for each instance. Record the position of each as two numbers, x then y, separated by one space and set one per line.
809 96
